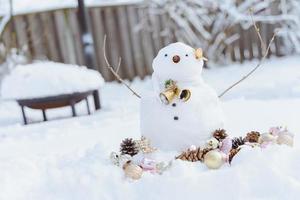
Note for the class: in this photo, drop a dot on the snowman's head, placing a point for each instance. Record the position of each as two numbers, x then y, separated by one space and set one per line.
179 62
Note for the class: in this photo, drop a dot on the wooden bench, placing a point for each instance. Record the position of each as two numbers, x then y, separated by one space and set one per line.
58 101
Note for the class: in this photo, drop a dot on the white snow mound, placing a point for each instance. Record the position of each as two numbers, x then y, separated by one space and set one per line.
43 79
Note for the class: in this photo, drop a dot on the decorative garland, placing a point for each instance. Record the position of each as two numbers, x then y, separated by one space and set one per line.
218 150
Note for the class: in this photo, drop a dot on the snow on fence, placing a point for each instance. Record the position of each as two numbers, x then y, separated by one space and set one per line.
55 35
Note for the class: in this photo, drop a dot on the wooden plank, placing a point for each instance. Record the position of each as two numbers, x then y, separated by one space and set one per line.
6 36
258 43
125 42
269 33
231 49
156 30
21 31
112 40
69 40
254 41
147 45
53 50
64 37
98 31
138 58
278 45
36 37
76 36
249 36
264 34
166 32
241 43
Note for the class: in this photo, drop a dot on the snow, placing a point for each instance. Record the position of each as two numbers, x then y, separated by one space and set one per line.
28 6
69 158
44 79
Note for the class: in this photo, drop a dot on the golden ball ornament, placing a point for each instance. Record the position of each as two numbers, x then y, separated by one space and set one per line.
132 171
213 159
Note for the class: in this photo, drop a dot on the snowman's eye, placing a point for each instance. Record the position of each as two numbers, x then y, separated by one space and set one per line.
166 55
186 55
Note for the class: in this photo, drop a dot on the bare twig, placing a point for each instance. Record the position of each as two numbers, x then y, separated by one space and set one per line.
115 72
262 43
254 69
265 51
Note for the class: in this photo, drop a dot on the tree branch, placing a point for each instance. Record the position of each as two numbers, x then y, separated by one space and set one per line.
115 72
262 43
265 50
254 69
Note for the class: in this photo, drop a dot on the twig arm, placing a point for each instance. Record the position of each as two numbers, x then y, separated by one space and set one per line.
265 50
115 72
252 71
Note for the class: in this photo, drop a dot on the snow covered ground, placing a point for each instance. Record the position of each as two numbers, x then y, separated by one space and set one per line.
69 158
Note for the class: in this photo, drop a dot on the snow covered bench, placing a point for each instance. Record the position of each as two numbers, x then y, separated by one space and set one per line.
46 85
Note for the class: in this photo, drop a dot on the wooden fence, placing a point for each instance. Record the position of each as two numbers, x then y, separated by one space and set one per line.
55 35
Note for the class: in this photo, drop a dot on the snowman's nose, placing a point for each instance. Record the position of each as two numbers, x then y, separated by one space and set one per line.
176 59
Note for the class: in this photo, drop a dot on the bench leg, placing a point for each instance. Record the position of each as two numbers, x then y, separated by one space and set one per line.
96 99
87 105
24 115
44 115
73 109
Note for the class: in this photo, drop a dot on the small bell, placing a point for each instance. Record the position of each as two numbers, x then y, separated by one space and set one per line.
185 95
199 54
169 94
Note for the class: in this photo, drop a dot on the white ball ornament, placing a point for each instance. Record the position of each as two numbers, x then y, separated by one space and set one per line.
212 143
118 159
213 159
192 148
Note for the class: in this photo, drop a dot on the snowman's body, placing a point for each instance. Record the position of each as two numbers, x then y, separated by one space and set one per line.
179 124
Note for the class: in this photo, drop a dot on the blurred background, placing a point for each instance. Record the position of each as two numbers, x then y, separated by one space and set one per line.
72 31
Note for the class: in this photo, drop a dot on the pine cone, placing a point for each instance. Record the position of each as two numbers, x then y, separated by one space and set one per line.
232 153
128 146
144 146
252 137
236 142
193 155
220 134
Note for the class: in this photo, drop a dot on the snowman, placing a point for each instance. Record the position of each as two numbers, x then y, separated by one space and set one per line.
182 110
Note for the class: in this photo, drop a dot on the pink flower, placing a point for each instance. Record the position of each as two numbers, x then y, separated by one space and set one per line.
226 145
148 165
275 130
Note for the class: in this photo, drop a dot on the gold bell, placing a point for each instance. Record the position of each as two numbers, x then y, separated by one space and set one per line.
185 95
132 171
199 54
169 94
